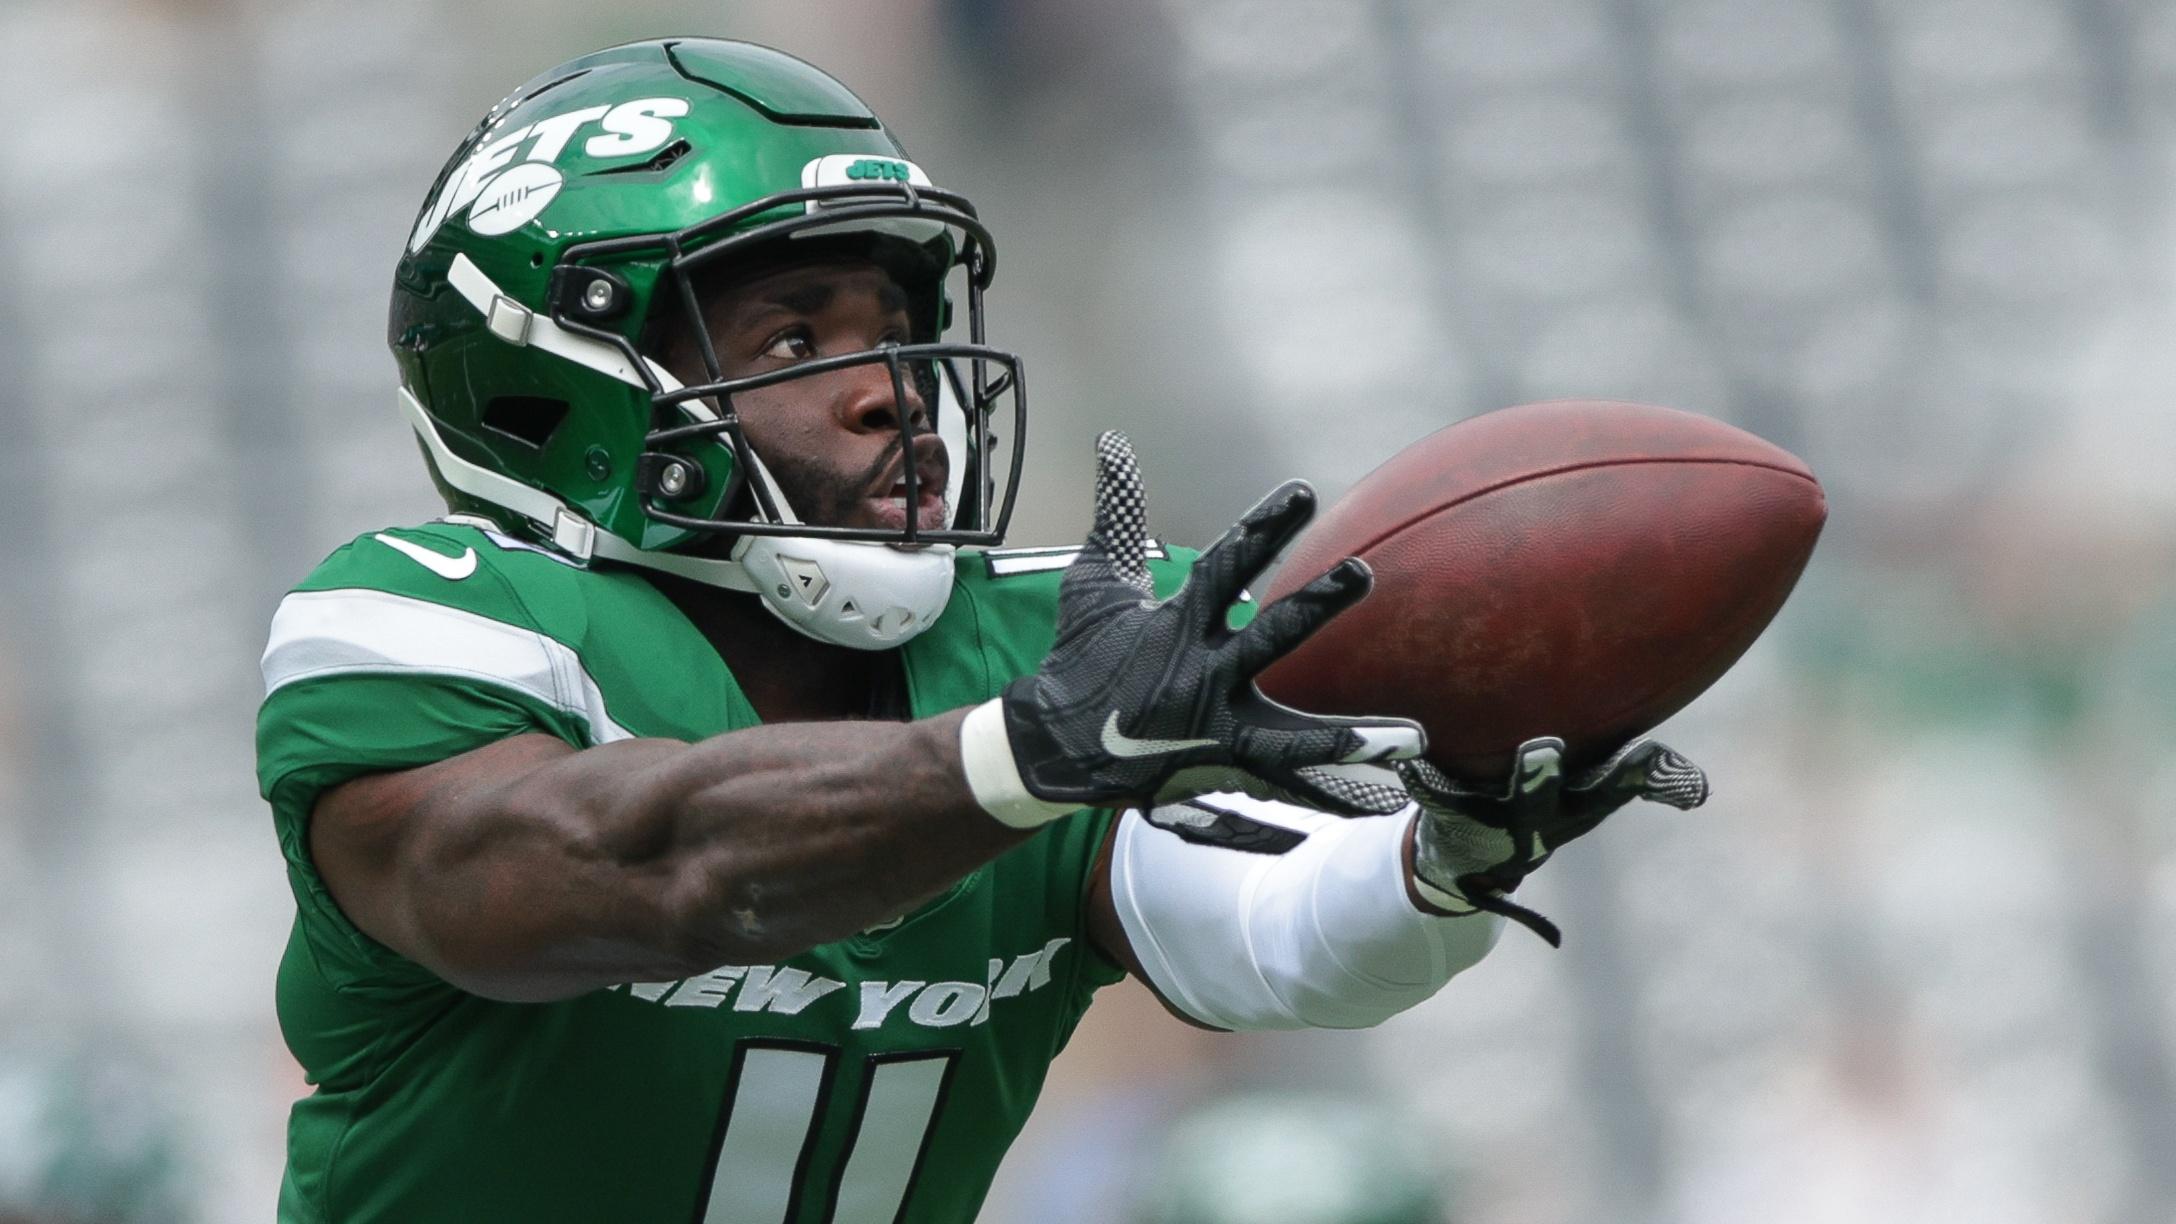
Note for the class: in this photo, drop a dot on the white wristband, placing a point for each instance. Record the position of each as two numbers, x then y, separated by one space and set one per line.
994 776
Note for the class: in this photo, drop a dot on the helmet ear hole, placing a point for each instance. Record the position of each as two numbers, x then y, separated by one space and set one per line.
527 419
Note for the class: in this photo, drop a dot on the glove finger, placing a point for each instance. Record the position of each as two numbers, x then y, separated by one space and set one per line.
1381 739
1278 629
1092 586
1355 788
1377 740
1122 511
1213 779
1326 790
1110 568
1646 769
1221 573
1673 779
1537 773
1434 788
1303 761
1534 782
1537 794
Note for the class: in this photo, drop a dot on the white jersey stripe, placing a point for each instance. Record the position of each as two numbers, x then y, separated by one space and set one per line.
349 630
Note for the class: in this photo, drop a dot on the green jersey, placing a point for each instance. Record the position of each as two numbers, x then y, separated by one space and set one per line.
873 1079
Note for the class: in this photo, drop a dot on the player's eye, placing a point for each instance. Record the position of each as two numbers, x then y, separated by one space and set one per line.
793 344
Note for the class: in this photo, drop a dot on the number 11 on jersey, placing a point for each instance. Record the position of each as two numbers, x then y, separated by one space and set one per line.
771 1131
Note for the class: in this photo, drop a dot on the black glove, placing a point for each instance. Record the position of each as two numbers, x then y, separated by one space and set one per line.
1475 844
1141 702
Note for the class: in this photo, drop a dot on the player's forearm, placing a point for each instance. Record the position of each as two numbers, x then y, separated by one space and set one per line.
650 859
788 836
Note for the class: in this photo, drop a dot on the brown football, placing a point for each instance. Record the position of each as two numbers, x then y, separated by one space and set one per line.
1579 568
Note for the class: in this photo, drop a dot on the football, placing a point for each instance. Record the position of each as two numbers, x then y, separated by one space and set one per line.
1579 568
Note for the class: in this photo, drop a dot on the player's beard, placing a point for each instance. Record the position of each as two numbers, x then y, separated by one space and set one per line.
822 495
819 494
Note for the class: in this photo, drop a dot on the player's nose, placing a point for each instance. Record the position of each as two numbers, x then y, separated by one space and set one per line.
869 401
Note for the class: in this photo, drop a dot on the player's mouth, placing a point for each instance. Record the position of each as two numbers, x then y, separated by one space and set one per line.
886 504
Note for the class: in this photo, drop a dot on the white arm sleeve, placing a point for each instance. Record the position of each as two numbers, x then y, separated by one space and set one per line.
1320 935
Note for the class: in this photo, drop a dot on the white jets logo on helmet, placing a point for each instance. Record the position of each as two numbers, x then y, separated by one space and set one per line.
502 194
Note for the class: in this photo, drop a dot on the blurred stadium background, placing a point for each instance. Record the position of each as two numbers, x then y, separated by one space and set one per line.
1914 963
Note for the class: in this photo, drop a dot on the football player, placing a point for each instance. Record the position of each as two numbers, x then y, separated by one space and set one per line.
684 828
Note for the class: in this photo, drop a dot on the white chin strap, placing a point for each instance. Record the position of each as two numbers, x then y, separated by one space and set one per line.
854 593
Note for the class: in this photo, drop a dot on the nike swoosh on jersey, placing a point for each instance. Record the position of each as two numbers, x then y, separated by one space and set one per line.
453 569
1119 744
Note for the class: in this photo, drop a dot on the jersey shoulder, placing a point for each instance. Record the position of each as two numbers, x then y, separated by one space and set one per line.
457 597
415 643
463 565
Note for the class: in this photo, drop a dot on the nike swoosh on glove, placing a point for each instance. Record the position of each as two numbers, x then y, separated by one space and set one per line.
1476 843
1146 702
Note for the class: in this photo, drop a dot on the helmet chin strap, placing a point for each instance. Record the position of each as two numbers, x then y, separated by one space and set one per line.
854 593
570 532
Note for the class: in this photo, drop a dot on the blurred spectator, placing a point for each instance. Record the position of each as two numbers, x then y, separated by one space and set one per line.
85 1138
1291 1158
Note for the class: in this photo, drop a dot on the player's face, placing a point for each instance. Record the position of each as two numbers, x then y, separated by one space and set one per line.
832 440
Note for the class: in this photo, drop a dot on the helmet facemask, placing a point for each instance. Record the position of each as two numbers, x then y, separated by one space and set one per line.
699 471
866 587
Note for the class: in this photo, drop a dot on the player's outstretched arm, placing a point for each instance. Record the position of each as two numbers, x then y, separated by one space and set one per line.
1244 914
528 870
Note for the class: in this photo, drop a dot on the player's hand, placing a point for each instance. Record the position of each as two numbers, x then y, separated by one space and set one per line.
1475 844
1146 702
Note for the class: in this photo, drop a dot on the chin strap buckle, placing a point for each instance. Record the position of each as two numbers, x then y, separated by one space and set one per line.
508 319
573 535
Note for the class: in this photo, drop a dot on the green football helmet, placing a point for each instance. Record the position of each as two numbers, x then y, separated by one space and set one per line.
565 237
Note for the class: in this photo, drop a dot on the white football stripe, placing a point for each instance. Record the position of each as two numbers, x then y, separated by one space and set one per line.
350 630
